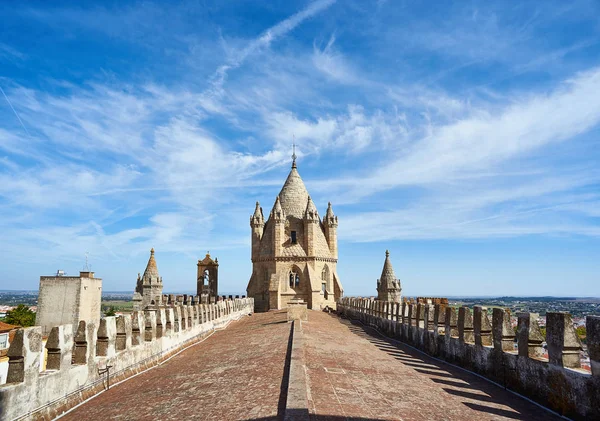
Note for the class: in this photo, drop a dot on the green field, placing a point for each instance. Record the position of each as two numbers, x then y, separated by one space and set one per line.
118 305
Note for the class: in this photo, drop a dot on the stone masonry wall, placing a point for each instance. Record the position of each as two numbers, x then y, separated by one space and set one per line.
484 343
77 355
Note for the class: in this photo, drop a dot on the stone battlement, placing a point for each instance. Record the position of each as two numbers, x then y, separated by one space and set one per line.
470 338
78 358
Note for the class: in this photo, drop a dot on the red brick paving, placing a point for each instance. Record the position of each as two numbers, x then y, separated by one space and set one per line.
352 373
355 373
235 374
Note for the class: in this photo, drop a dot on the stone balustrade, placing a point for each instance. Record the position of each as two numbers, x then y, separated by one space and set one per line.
483 342
77 356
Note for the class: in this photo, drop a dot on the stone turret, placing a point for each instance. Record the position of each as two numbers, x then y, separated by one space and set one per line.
330 222
388 287
257 223
148 289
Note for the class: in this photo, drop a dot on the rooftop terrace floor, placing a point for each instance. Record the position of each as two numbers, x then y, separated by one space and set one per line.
240 373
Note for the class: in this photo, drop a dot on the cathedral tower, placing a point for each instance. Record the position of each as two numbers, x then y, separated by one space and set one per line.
388 287
294 252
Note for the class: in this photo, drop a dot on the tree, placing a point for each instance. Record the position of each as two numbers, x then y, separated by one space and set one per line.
109 311
21 315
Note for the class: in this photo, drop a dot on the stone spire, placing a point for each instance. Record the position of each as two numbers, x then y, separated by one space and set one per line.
151 275
330 218
387 274
277 211
388 286
257 218
311 212
294 155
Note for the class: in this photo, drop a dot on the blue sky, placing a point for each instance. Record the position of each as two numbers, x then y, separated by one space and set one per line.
462 137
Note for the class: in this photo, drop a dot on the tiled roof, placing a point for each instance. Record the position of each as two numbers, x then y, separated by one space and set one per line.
5 327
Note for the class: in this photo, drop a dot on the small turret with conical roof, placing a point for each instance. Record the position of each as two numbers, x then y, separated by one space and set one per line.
311 214
330 222
277 213
148 290
257 223
388 287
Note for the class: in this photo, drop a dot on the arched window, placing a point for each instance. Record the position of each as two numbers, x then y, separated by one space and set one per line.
206 277
294 279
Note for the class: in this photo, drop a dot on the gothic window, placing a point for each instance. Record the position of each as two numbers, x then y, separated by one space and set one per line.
294 238
206 277
294 279
323 287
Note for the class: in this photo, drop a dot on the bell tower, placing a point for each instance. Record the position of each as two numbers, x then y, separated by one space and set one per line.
208 277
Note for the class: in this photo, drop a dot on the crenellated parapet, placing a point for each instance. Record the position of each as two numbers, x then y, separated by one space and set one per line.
77 356
483 341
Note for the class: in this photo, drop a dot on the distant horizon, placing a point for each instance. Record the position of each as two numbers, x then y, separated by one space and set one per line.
357 295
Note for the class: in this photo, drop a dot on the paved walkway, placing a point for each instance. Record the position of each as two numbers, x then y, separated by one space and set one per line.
236 374
240 373
354 373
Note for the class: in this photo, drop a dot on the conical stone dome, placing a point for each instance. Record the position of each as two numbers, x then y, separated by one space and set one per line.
388 277
151 275
293 195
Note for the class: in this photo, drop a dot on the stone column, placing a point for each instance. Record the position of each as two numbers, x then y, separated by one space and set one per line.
564 345
503 333
592 325
529 337
481 327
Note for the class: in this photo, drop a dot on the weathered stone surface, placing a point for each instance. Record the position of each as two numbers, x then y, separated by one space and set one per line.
529 336
503 334
297 310
564 345
482 329
593 342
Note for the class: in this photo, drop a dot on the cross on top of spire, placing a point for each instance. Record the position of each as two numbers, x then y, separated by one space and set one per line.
294 152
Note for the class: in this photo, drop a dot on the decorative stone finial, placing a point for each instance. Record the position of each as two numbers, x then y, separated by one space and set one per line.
294 153
152 250
387 253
